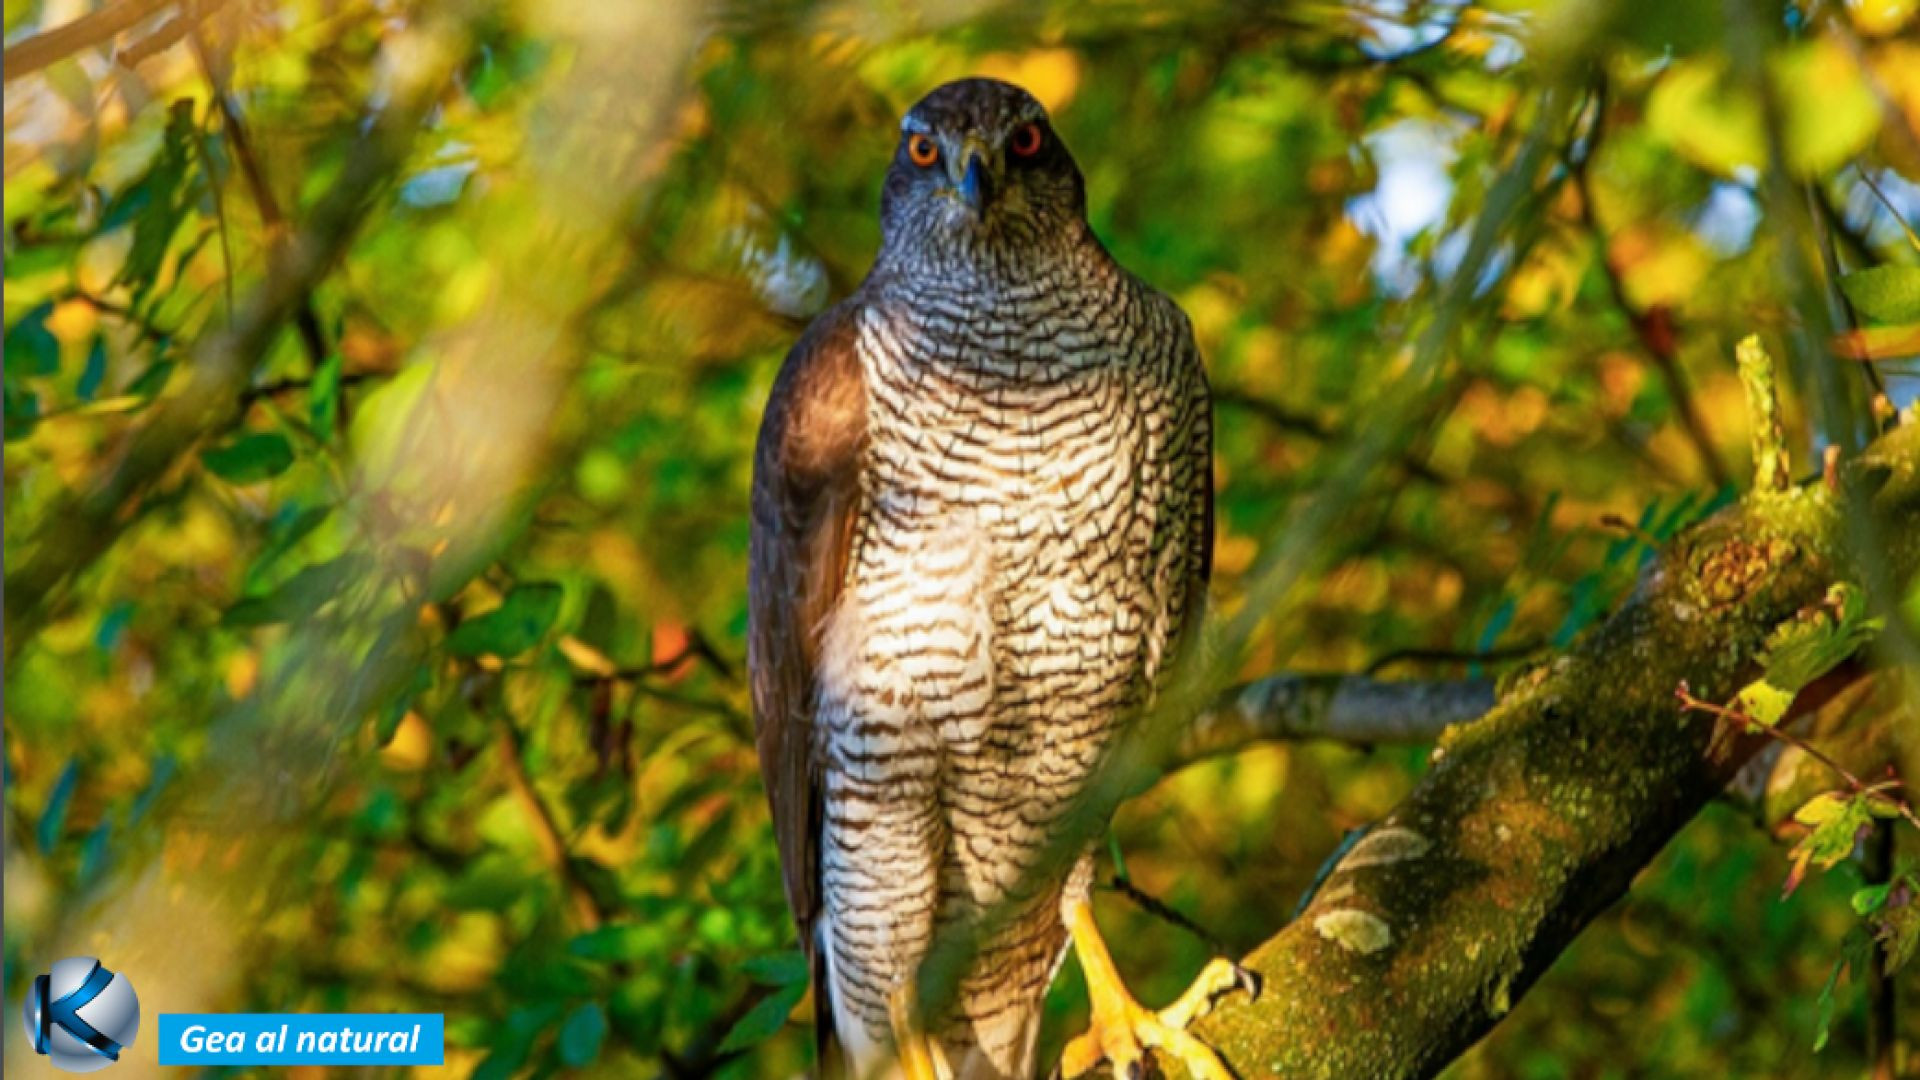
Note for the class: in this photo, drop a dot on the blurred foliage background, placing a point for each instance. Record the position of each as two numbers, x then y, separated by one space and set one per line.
380 386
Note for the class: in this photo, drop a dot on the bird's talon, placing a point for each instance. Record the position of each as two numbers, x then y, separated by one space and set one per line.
1122 1031
1249 980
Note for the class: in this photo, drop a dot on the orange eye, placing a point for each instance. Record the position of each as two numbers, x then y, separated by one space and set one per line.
921 150
1026 141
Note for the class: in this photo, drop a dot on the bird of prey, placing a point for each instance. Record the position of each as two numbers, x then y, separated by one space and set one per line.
982 526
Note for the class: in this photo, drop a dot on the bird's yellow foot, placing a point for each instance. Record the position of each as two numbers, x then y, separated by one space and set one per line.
1123 1029
920 1057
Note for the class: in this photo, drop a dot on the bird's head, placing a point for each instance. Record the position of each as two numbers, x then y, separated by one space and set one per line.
979 163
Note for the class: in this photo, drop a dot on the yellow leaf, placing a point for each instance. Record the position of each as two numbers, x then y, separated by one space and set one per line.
1877 18
1696 109
1051 75
1701 108
411 747
1831 114
1820 809
1765 702
1660 264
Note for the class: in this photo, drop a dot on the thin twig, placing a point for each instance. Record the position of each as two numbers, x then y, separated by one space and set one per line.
1615 521
287 386
271 216
1840 309
1898 218
1653 327
1452 656
169 33
139 322
1881 792
696 648
546 828
1301 424
1166 912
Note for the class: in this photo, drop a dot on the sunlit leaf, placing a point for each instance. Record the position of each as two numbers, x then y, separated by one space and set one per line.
1836 822
1831 113
1869 900
1888 294
1765 702
1698 110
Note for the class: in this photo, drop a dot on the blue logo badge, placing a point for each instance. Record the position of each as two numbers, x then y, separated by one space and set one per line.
80 1015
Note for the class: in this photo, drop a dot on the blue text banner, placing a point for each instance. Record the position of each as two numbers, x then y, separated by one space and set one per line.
302 1039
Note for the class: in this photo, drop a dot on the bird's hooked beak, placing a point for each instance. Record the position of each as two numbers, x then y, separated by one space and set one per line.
971 172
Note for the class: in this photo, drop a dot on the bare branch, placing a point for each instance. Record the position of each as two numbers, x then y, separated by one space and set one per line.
1344 708
86 32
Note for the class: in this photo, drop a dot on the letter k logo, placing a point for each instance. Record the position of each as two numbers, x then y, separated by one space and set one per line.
66 1013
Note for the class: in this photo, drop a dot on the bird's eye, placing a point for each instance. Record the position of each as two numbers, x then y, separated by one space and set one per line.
922 150
1026 142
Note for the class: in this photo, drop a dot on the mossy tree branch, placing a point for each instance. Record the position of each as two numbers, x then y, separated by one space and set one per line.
1535 818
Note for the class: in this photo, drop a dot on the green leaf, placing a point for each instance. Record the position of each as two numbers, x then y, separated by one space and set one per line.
22 411
250 458
1888 294
155 203
580 1037
1897 928
777 969
512 628
1819 639
291 524
764 1019
31 348
625 941
1870 899
150 382
302 594
489 883
88 386
1823 1018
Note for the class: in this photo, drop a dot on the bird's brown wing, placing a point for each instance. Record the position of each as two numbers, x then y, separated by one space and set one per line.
806 493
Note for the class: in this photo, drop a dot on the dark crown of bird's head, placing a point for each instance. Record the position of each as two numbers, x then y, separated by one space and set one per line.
979 173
